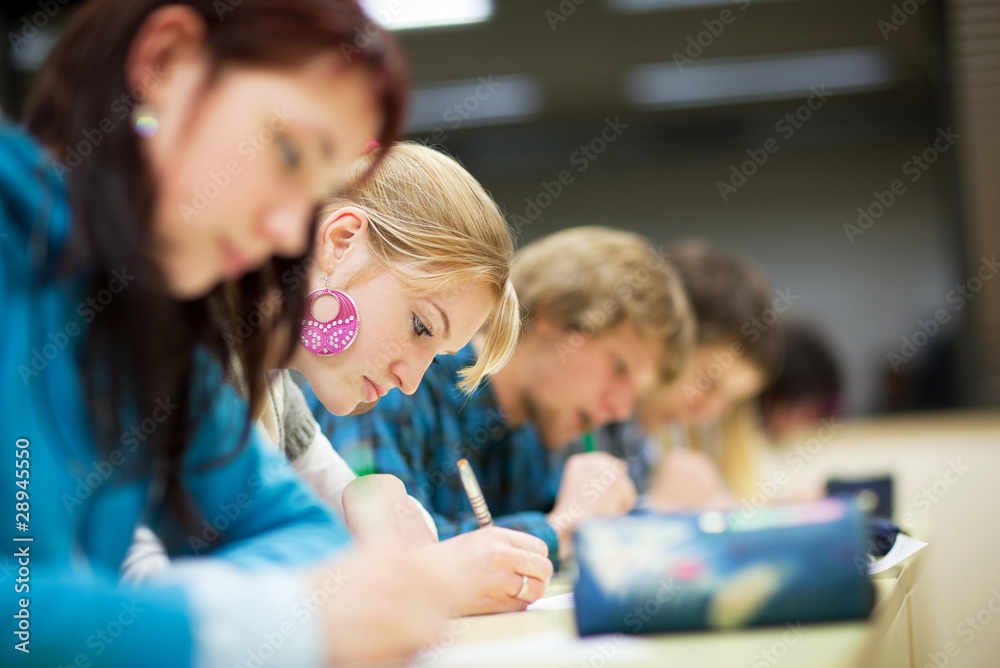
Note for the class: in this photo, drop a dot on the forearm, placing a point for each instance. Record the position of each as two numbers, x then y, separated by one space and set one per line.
202 614
537 524
255 510
76 619
240 614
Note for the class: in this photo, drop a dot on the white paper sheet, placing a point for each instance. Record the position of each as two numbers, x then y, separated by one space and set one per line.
901 549
557 602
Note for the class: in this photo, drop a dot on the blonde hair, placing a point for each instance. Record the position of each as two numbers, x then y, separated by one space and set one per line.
735 446
591 279
427 213
742 443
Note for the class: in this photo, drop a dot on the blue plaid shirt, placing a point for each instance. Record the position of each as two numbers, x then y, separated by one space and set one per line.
420 438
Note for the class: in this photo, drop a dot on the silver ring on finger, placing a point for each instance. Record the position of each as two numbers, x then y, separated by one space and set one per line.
523 590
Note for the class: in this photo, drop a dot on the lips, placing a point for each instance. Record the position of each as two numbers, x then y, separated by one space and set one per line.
373 390
234 261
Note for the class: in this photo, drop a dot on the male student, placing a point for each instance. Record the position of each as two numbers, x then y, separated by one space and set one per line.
738 350
605 319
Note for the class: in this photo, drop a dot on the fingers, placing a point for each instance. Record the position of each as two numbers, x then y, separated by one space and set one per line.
629 496
533 565
526 541
534 591
522 583
508 601
521 553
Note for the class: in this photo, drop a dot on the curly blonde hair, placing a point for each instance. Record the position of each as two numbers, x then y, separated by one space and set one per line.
591 279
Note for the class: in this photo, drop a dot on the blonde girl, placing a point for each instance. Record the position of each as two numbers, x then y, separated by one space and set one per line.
409 263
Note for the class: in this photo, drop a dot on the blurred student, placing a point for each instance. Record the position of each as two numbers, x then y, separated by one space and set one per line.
693 441
193 144
418 255
605 319
807 390
704 421
802 402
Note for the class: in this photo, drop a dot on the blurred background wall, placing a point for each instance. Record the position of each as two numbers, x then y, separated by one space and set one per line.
798 132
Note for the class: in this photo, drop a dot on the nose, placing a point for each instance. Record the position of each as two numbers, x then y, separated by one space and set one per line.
714 407
705 406
286 228
409 372
620 401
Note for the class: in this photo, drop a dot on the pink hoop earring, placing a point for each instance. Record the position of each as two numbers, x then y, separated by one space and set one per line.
333 336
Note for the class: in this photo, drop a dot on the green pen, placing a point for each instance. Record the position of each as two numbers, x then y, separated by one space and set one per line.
364 462
588 438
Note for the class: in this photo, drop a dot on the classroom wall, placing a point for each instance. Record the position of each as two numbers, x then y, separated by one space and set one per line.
658 176
789 218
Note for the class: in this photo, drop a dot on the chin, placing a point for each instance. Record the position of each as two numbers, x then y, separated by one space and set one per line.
333 402
363 407
189 288
555 442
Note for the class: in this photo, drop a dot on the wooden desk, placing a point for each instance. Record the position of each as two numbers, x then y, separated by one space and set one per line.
840 645
919 605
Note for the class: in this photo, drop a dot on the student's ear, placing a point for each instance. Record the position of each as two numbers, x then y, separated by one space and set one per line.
340 234
170 45
545 328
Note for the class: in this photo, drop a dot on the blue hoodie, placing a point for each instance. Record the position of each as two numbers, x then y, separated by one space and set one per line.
61 548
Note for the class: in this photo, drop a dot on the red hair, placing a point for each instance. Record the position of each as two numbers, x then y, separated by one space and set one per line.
112 196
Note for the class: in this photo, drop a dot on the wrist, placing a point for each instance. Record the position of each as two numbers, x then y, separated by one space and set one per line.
563 524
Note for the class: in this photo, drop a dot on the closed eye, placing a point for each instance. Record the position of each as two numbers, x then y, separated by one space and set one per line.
289 152
419 328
